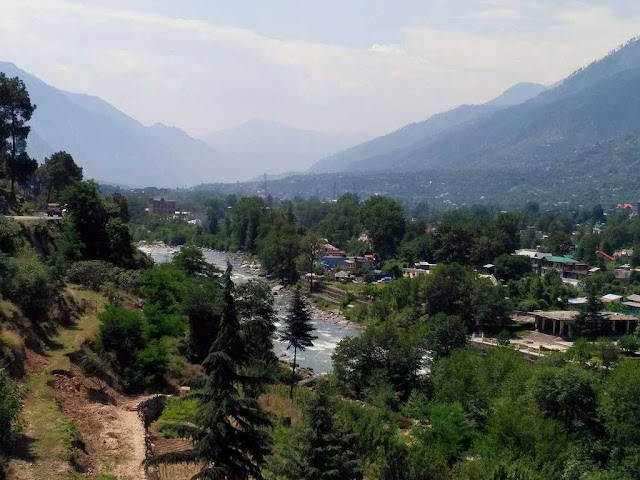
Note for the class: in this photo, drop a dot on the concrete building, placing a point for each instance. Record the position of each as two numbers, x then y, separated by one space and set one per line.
536 257
162 207
561 322
568 268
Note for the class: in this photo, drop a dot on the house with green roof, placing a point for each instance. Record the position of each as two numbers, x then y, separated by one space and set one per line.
570 270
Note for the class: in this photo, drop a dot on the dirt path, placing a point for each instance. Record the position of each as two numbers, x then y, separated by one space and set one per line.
60 403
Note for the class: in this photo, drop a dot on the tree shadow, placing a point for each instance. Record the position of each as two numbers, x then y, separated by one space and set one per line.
22 448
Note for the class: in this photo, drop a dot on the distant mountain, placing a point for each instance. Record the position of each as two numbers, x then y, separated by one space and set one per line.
109 145
264 146
372 154
599 104
519 93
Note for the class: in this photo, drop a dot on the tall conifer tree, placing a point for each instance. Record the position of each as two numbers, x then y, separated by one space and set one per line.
229 431
324 452
298 331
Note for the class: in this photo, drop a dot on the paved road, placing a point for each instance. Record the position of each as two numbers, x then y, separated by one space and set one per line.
32 218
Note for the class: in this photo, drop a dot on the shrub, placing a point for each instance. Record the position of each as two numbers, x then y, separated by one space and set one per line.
347 299
28 285
629 343
130 281
9 408
9 234
123 332
151 363
93 274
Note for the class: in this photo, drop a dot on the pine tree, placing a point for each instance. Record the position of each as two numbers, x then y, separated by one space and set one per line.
298 331
325 452
590 321
229 430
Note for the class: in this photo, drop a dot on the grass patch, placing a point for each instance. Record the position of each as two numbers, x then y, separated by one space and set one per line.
323 304
177 410
520 333
12 340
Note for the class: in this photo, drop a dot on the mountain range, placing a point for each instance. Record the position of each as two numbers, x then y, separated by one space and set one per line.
264 146
113 147
527 126
373 153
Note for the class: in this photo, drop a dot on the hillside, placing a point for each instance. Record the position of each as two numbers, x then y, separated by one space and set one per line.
519 93
108 144
263 146
595 104
372 153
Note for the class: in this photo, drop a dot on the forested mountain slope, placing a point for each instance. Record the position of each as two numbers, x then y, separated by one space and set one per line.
372 153
599 103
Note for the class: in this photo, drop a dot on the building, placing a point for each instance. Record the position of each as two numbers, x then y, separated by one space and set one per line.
632 302
333 257
418 269
537 258
623 272
358 263
561 322
568 268
162 207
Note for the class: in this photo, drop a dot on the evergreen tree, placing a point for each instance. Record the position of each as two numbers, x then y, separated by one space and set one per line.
257 316
325 452
229 430
58 171
590 321
298 331
15 111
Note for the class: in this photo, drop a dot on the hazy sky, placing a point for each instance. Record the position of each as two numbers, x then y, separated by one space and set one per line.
365 66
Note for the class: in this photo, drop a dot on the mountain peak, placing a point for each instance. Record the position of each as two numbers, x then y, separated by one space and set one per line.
517 94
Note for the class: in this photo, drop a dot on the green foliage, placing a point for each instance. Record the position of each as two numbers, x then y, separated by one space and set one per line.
450 430
202 307
228 431
279 248
619 406
164 286
9 235
9 409
123 332
383 218
28 285
568 394
512 267
126 341
58 171
590 321
324 452
190 260
629 343
444 334
15 111
298 330
92 273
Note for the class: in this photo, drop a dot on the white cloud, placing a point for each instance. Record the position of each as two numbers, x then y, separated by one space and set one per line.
201 77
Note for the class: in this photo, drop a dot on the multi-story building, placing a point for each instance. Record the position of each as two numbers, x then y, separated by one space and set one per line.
160 206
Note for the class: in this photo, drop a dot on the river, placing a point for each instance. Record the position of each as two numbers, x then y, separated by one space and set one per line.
329 334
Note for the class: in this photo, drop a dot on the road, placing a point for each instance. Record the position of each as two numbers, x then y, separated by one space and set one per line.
33 218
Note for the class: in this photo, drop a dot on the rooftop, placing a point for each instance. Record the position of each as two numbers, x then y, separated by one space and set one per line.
557 259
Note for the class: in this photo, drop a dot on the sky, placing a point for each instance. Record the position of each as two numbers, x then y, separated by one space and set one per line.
356 67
